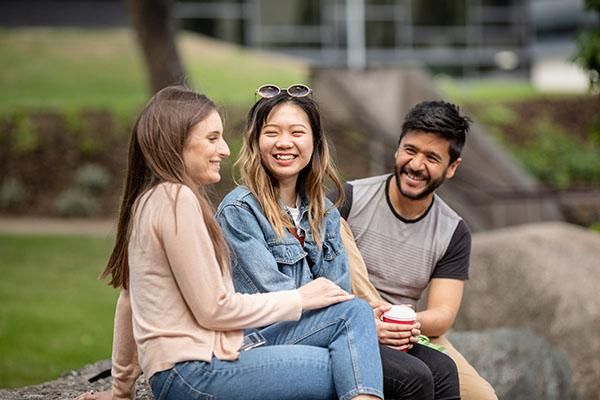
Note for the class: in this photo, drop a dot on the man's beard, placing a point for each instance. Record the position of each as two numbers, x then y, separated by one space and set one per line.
430 188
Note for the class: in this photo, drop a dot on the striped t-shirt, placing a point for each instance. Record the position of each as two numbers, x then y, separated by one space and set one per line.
401 255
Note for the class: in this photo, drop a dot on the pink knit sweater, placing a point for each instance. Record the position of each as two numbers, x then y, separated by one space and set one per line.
179 305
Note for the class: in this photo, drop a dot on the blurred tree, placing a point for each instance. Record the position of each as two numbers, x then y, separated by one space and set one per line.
155 29
588 46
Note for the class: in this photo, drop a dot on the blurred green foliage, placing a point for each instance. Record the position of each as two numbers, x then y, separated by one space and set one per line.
13 194
559 159
588 46
75 202
92 177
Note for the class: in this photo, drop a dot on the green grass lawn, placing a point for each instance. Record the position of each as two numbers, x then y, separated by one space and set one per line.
77 68
487 91
55 315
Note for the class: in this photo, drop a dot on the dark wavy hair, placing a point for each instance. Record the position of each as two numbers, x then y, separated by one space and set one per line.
440 118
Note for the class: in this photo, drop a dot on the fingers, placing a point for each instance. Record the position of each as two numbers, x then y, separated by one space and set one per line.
401 348
90 395
394 338
380 310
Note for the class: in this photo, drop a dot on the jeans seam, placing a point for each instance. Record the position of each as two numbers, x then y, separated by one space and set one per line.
358 387
166 385
317 330
351 350
190 386
362 390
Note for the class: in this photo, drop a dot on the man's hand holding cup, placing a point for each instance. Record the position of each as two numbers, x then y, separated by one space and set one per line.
397 326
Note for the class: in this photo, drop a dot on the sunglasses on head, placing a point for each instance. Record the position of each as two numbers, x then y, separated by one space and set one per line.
297 90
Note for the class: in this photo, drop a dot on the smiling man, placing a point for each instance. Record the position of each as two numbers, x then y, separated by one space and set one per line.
410 238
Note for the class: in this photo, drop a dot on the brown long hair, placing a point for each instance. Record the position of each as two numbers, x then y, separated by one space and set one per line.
155 156
312 179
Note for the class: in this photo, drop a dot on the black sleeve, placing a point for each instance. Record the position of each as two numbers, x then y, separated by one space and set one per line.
455 262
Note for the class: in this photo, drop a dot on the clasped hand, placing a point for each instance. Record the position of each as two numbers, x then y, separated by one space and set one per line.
397 336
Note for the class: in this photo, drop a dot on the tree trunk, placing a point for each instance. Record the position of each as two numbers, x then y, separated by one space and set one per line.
154 25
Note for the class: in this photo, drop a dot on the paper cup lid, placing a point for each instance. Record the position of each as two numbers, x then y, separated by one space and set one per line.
401 313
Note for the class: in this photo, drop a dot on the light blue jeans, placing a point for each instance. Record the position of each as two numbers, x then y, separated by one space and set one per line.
330 353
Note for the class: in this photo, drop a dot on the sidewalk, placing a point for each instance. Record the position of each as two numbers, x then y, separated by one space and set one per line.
68 226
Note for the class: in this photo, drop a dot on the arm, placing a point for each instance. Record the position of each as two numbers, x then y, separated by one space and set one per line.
359 277
447 284
210 296
254 266
125 367
443 304
333 264
399 337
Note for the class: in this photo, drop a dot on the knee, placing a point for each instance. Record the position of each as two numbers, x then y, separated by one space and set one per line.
422 376
447 366
356 310
412 381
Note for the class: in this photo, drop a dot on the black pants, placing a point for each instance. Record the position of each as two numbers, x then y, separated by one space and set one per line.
421 373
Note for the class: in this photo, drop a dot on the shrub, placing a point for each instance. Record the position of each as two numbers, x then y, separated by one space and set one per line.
559 159
25 136
75 202
497 115
92 177
12 194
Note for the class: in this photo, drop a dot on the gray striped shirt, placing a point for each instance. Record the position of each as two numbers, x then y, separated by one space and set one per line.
401 255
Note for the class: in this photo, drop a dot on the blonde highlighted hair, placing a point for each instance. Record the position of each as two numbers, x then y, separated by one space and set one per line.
312 179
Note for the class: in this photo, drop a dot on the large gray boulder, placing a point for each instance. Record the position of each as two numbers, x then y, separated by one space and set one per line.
543 277
517 363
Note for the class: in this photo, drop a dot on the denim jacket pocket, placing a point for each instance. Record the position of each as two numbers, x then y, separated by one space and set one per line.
286 253
332 248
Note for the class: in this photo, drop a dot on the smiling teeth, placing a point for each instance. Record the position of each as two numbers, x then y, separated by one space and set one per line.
284 157
416 178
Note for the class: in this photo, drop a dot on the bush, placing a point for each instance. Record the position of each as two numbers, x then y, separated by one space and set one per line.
12 194
497 115
75 202
588 47
559 159
92 177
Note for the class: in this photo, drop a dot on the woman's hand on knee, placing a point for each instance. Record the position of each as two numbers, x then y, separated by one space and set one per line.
321 293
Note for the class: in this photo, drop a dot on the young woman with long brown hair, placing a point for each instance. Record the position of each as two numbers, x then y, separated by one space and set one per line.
178 319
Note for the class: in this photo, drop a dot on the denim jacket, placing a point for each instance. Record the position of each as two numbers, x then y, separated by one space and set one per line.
263 263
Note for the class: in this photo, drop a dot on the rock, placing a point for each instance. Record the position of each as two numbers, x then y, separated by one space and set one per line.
543 277
71 384
517 363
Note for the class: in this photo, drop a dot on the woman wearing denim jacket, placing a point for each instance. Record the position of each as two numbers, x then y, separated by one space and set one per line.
284 232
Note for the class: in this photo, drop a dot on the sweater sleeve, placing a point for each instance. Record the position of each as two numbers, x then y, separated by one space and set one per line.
361 286
125 367
207 291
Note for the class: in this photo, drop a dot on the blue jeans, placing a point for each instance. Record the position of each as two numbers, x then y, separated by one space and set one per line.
348 330
330 353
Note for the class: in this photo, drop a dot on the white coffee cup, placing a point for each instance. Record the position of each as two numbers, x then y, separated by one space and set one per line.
400 315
